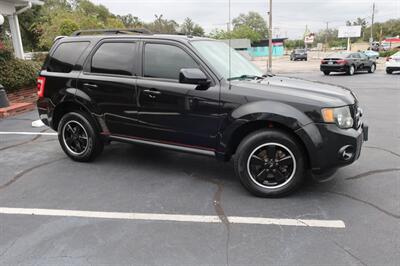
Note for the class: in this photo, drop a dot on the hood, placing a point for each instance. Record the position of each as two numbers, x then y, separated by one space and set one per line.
295 90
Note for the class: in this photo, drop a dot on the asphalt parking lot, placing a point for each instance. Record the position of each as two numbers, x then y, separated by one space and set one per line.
142 205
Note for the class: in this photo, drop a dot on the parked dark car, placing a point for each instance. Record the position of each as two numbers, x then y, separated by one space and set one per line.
298 54
179 92
347 62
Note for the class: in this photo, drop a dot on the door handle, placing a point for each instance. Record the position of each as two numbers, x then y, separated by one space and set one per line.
152 92
90 85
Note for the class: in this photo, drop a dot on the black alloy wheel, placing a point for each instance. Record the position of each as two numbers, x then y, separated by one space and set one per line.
79 137
270 163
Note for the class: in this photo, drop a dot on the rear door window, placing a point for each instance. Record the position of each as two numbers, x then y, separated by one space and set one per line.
114 58
165 61
66 56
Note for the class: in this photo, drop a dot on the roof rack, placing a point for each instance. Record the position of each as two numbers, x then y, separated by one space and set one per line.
111 31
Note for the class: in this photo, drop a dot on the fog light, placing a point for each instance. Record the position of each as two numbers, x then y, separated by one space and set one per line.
346 153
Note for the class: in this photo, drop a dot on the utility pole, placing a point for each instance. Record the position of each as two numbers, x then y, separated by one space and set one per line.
326 36
371 39
306 32
270 38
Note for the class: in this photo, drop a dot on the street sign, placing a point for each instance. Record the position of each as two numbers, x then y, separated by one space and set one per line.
309 38
349 31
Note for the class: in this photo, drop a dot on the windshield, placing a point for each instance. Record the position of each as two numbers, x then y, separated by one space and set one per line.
217 54
299 50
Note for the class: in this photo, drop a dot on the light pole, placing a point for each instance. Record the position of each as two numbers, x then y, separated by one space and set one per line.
1 22
3 96
1 29
270 38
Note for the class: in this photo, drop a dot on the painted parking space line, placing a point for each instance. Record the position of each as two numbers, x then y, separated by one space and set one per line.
173 217
29 133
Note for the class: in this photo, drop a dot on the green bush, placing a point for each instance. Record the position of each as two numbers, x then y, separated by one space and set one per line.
5 55
17 74
39 58
387 53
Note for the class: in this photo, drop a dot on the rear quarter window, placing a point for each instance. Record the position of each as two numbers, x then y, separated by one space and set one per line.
66 56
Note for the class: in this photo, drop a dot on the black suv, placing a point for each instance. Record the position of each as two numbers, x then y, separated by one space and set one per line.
298 54
180 92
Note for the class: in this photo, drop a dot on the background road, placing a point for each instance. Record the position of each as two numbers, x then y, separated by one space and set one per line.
35 173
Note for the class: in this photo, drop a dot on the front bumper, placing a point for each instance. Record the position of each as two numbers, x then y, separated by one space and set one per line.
330 147
300 56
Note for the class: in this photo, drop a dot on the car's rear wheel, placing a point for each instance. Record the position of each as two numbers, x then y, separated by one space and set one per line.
78 137
351 70
372 68
270 163
388 71
326 73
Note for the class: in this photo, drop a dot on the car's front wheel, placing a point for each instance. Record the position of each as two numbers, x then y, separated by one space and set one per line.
270 163
78 137
372 68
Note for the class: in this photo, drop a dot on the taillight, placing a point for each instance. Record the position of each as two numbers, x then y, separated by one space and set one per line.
323 62
341 62
388 59
41 81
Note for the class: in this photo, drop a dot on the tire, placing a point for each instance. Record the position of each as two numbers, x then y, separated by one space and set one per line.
291 59
305 59
388 71
326 73
372 68
73 128
246 166
351 70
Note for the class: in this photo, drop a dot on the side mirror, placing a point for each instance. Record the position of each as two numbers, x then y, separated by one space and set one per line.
194 76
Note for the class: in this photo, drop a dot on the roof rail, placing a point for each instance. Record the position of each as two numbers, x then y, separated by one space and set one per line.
58 38
111 31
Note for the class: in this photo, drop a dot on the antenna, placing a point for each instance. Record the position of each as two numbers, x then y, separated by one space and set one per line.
230 46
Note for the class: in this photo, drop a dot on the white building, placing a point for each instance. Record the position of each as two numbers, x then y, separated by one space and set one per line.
11 9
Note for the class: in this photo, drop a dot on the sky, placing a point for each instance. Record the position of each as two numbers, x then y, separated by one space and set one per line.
290 17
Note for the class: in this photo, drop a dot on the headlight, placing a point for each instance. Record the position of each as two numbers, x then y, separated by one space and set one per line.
341 116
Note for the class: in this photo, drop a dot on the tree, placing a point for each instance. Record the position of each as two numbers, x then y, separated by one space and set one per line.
389 28
131 21
242 32
292 44
60 17
253 21
161 25
188 27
